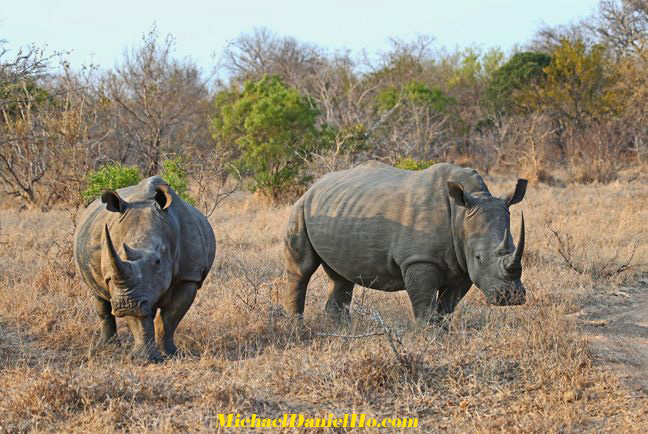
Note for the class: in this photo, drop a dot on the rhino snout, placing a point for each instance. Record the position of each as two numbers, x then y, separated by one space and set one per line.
125 306
512 295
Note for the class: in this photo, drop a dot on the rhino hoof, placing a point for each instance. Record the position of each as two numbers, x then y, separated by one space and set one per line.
170 350
145 356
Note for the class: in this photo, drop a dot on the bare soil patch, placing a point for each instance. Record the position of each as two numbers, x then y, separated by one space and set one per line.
616 322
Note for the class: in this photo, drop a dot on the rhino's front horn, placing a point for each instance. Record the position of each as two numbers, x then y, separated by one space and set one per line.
120 269
513 262
519 248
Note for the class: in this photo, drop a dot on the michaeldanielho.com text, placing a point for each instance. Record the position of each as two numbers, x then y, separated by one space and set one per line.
299 420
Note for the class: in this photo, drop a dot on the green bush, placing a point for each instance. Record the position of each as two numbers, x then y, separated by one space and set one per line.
110 177
175 175
412 164
116 176
273 129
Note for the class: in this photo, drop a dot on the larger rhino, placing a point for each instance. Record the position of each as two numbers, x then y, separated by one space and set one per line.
433 233
142 249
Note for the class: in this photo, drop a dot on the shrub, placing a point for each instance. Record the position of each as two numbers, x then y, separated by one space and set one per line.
412 164
110 177
115 176
272 127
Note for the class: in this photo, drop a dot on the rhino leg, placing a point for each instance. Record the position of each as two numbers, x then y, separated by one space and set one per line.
422 285
144 335
172 313
301 262
340 292
451 296
108 323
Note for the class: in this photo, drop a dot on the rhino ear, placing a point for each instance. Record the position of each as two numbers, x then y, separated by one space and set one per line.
162 196
461 198
516 195
113 202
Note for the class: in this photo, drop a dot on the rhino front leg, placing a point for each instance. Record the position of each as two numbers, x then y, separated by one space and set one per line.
422 285
108 323
451 296
144 336
340 293
172 313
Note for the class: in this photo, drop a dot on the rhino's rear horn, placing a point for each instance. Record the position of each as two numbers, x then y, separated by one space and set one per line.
505 245
131 253
121 270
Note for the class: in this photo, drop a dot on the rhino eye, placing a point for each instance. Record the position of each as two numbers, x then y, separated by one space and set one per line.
157 262
480 260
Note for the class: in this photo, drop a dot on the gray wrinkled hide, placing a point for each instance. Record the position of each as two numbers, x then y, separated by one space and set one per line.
391 229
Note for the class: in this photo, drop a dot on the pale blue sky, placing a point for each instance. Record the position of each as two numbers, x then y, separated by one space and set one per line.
100 31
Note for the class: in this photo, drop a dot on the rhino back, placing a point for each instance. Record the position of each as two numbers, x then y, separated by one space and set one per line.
197 244
370 222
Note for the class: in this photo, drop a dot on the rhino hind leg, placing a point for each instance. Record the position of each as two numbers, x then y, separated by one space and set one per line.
301 262
172 313
422 286
340 293
299 273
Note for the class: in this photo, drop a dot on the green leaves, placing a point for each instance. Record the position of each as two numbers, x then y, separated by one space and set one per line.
416 93
580 82
110 177
116 176
574 82
412 164
522 71
174 173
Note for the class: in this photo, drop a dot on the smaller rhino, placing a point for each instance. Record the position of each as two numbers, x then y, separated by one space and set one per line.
141 249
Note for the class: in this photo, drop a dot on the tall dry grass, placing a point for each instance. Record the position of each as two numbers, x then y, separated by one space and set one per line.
525 369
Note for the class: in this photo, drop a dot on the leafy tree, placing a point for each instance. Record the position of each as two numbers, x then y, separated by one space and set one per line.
521 72
273 129
468 69
579 83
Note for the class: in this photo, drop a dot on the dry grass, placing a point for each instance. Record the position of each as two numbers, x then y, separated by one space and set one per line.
523 369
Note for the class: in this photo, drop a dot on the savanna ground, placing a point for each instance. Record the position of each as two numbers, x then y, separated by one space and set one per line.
528 369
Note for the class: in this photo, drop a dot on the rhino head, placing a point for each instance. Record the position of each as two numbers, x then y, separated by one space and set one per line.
494 263
139 276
